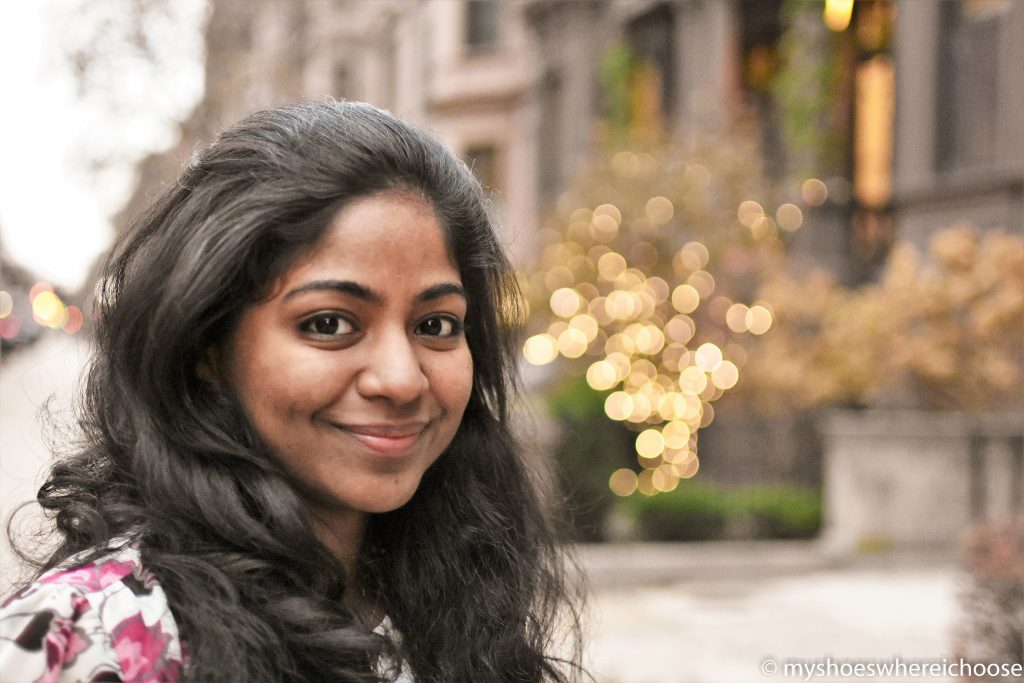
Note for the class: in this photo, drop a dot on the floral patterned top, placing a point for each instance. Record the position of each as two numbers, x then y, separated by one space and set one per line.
107 620
103 621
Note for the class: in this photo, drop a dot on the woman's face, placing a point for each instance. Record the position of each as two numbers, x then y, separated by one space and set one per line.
356 372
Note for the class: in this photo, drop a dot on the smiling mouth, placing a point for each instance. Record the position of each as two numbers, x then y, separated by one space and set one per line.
385 439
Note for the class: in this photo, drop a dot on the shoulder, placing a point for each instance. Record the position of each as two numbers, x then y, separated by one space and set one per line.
103 620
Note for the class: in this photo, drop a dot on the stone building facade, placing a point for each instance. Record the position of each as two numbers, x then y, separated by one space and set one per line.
514 86
959 116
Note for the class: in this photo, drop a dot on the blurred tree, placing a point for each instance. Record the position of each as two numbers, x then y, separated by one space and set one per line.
942 330
812 92
255 55
125 60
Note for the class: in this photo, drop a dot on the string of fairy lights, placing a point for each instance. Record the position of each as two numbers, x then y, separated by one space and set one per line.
647 317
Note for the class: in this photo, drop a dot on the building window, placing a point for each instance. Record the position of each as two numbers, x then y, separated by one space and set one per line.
551 141
968 90
481 24
761 29
651 36
483 159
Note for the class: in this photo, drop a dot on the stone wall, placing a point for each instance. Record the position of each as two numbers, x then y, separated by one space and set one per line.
904 478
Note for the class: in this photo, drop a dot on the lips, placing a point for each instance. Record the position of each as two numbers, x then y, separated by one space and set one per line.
385 439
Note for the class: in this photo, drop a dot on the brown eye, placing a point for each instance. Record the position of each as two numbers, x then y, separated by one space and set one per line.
440 326
327 325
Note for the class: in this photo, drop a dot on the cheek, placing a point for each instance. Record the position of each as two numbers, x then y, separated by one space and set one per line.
270 388
462 384
453 380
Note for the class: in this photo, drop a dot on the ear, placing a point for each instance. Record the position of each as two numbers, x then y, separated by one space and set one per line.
208 367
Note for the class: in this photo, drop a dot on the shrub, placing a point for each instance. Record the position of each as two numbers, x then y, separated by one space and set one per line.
693 512
992 629
588 447
697 511
782 511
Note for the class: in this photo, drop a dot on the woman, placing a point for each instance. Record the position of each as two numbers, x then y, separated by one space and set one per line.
297 463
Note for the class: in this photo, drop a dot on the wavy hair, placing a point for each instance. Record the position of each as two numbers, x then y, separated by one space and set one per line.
470 571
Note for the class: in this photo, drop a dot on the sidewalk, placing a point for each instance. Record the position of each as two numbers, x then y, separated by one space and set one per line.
43 375
715 612
629 564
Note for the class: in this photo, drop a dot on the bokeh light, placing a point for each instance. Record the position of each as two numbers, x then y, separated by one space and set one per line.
708 357
6 304
789 217
758 319
611 265
587 325
602 376
677 435
623 482
618 406
540 349
75 320
650 443
689 468
736 318
572 343
644 484
837 14
48 309
565 302
37 289
749 213
9 327
726 375
685 298
664 479
703 282
814 192
700 251
692 380
659 210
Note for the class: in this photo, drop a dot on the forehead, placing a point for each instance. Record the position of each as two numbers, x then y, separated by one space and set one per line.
388 238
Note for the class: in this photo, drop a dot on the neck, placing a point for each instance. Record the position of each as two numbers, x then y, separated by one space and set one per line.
342 533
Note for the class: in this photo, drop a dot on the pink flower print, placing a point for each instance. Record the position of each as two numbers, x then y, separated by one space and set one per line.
142 652
92 577
64 640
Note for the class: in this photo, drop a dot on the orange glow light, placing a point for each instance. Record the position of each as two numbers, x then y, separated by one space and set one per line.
837 14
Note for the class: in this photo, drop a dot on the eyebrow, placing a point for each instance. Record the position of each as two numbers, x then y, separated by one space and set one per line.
366 294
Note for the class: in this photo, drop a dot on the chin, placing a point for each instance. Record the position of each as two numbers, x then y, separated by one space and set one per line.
388 501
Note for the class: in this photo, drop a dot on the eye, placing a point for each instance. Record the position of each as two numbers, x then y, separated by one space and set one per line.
327 325
440 326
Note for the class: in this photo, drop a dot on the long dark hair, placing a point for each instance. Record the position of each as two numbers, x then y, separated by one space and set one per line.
469 571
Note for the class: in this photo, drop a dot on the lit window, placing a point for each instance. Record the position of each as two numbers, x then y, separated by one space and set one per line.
872 139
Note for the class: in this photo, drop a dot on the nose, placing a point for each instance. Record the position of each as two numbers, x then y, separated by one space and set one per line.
392 370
